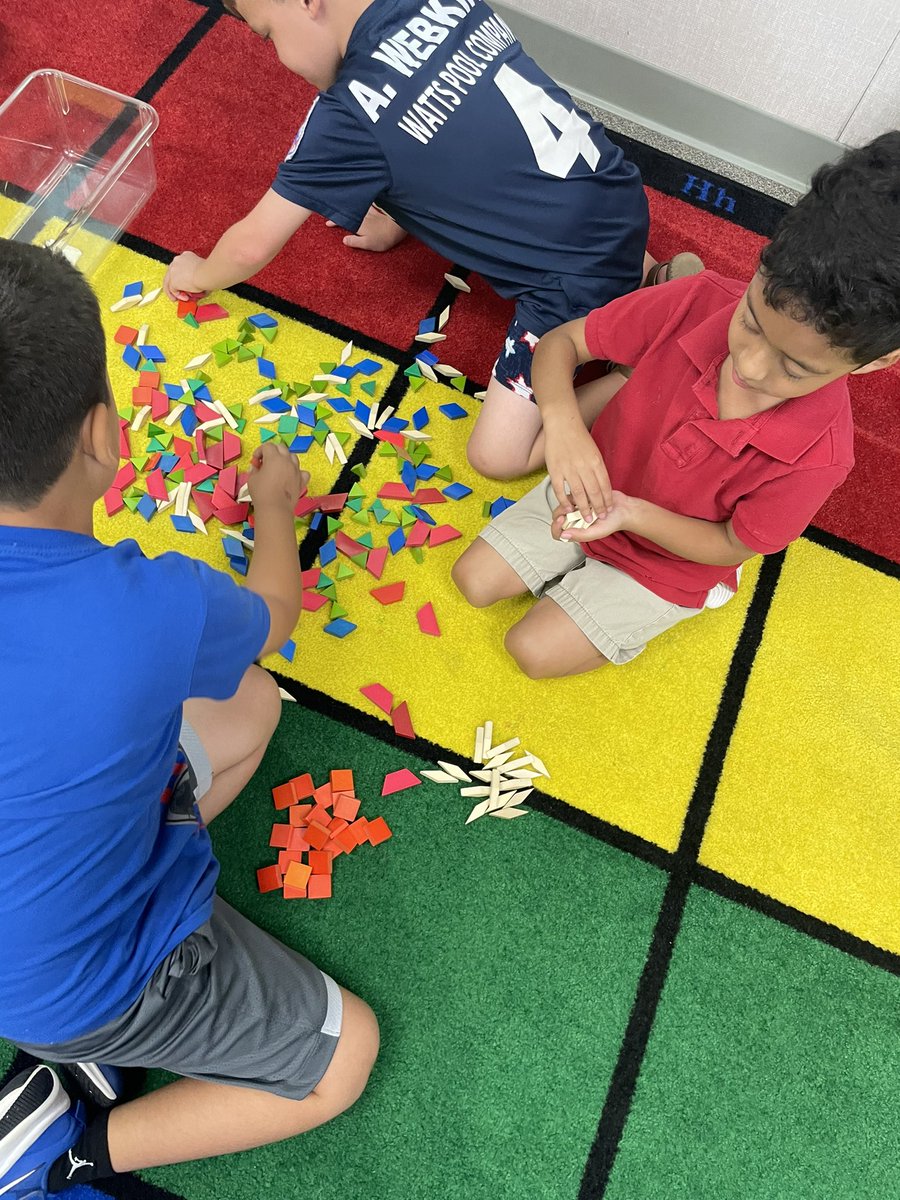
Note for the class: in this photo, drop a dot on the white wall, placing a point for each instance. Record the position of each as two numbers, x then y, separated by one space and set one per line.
831 66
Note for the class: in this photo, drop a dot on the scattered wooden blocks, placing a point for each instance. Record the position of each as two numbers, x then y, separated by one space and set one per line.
502 775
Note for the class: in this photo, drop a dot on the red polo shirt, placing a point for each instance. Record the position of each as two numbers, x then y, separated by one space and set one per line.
662 440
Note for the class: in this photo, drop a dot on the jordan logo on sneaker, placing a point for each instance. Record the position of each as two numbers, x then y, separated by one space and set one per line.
77 1163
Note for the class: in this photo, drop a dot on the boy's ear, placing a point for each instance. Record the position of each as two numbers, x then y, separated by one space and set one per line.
879 364
99 435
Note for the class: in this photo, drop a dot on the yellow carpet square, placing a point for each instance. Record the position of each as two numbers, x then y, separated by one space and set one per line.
807 807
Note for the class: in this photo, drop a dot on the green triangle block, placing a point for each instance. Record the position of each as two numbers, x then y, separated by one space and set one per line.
256 349
323 411
318 386
327 368
320 435
361 518
386 450
343 438
407 519
321 426
378 511
359 559
459 382
196 384
203 376
344 572
140 461
134 491
245 324
359 470
166 438
415 384
324 582
355 505
175 477
300 389
344 388
131 502
369 387
235 409
190 319
334 524
188 399
288 425
154 445
330 592
148 366
445 473
244 355
391 519
231 344
366 539
336 611
127 412
413 372
267 435
153 429
417 553
220 348
246 335
420 453
214 434
269 334
222 360
356 490
241 426
208 485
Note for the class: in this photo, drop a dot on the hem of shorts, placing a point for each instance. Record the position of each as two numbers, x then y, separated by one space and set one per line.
514 557
598 637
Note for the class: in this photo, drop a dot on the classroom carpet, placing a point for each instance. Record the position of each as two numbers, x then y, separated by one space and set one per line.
678 974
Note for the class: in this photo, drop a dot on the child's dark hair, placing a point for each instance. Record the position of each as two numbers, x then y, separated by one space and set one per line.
52 368
834 261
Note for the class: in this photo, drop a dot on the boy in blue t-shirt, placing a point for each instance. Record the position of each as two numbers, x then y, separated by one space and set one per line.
433 112
116 948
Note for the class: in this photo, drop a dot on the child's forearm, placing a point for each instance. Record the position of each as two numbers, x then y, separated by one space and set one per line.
691 538
274 570
552 370
235 257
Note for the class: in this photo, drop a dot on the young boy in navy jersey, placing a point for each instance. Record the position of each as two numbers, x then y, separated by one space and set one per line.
434 112
116 948
731 432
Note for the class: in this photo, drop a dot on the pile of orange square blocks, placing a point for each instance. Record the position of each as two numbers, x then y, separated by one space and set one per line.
316 833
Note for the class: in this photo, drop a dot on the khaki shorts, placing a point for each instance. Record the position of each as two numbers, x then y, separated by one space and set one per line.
616 614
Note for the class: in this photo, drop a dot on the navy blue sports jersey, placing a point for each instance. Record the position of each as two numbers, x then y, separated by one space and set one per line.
440 117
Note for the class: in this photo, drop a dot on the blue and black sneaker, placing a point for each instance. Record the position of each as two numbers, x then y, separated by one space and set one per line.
98 1083
38 1123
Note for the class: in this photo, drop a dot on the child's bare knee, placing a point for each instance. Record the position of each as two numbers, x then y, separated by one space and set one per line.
527 653
346 1078
263 700
470 580
489 461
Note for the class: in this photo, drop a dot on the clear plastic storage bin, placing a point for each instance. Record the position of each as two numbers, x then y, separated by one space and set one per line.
76 164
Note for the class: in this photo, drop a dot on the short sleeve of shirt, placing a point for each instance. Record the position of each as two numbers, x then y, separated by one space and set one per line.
335 167
778 511
624 329
232 624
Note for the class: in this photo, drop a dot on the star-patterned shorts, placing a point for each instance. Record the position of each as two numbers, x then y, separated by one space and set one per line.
513 367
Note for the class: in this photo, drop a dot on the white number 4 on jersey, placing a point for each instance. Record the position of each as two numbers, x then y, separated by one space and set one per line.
558 136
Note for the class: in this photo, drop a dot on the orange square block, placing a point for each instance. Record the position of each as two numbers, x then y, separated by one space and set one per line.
299 814
342 781
319 887
317 836
283 795
294 893
298 839
360 830
320 862
323 795
303 787
268 879
379 831
346 807
286 857
336 826
346 839
280 837
320 815
297 875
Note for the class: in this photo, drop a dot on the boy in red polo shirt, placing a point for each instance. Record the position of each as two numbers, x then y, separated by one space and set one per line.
732 430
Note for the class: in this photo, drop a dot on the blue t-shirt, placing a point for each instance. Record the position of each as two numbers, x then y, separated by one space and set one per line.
440 117
101 646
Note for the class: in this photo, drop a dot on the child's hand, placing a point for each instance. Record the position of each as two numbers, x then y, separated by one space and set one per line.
179 281
616 519
573 459
378 232
275 480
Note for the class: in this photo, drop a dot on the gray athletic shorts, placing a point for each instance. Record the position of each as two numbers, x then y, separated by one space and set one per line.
229 1004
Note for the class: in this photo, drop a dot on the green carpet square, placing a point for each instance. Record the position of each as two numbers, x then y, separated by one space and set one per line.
771 1072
